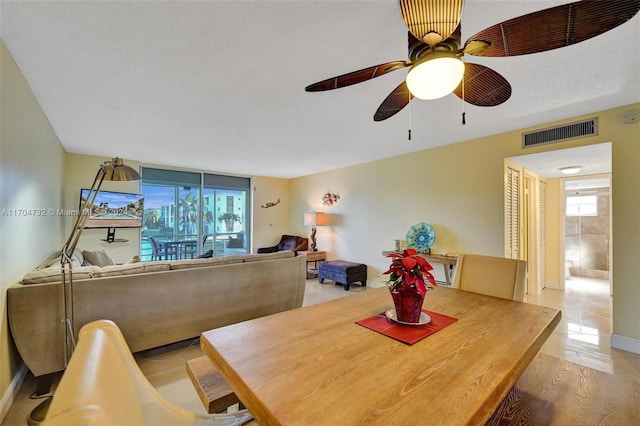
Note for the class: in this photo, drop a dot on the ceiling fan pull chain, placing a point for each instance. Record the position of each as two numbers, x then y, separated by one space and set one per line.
409 94
464 121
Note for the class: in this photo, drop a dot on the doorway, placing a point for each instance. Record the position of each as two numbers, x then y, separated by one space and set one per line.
587 227
595 161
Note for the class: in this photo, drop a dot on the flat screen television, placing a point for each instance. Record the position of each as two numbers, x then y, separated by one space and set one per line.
114 210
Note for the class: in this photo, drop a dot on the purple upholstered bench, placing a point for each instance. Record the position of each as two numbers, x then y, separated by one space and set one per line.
343 272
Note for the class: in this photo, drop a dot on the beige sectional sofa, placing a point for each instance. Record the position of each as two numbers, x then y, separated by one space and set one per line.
153 303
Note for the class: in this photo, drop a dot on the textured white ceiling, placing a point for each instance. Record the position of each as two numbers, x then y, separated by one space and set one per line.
594 159
219 85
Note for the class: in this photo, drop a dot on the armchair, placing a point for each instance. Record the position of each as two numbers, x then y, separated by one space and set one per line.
235 244
288 242
237 241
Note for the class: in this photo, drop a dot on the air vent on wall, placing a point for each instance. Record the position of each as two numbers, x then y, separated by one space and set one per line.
561 133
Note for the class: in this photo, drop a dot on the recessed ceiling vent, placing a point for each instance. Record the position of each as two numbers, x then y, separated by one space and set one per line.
579 129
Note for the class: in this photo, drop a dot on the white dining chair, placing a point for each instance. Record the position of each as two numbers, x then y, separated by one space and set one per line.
493 276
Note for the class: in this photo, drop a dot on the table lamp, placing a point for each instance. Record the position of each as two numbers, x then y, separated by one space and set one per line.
314 219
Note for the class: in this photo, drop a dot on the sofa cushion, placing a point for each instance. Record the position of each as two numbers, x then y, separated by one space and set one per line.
132 268
98 258
199 263
54 274
268 256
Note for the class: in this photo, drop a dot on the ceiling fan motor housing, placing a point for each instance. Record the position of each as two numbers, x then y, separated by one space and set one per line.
418 49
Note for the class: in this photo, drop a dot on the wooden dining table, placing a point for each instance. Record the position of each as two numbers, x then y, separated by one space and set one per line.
315 366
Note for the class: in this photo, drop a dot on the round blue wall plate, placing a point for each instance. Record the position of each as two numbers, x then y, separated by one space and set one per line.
421 237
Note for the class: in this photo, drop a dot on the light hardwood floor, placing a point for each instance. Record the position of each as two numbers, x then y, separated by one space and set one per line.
582 337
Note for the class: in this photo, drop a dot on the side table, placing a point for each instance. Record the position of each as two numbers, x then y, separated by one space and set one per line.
315 257
448 262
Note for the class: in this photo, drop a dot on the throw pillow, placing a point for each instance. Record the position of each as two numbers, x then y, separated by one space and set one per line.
76 258
98 258
134 259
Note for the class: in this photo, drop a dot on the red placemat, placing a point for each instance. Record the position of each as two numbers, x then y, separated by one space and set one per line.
408 334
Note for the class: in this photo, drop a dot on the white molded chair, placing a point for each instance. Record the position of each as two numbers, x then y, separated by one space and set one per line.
493 276
103 385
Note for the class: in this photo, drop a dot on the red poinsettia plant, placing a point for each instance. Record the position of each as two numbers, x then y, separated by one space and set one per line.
409 269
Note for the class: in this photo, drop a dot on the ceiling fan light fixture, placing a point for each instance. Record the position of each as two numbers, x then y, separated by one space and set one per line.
435 76
570 170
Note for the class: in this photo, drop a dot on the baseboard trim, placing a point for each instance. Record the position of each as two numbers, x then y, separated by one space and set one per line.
625 343
552 284
13 389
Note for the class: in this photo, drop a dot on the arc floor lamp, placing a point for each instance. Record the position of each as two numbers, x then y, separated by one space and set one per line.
111 170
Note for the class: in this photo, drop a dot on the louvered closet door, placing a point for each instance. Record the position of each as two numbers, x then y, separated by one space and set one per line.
542 234
512 213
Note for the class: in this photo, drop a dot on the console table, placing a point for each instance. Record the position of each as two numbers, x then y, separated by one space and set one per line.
447 262
315 257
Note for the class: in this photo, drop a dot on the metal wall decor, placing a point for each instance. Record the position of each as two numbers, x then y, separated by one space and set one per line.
266 206
330 199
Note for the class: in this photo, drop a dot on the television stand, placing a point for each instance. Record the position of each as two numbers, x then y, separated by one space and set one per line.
111 237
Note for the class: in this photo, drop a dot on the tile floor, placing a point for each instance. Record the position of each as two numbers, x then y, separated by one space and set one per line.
583 337
584 333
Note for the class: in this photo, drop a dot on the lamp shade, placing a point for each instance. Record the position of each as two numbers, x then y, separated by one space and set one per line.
435 76
116 170
315 219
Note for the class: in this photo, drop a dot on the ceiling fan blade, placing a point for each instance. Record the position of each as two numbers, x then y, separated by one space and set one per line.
555 27
483 86
356 76
398 99
431 21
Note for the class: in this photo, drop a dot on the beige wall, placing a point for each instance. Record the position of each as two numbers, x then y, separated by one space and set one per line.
459 190
553 256
31 175
625 197
269 223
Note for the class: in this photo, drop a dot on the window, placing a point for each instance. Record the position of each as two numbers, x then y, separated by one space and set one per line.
189 213
582 205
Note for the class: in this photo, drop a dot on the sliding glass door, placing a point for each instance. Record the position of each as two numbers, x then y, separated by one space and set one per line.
171 221
226 213
187 214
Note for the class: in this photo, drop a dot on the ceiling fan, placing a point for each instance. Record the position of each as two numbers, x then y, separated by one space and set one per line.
435 52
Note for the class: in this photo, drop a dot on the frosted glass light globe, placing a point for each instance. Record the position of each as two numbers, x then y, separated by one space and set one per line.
437 76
